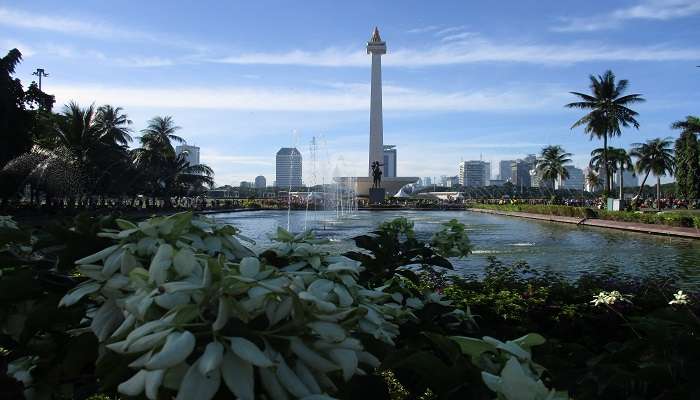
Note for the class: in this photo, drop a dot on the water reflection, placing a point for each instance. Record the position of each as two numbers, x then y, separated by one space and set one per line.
563 248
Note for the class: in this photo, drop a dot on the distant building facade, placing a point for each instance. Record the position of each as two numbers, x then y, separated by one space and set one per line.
520 174
474 173
260 182
629 179
245 185
191 153
576 179
505 170
288 168
389 161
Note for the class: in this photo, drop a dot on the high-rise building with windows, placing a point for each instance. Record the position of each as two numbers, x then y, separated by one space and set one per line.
288 168
574 181
191 153
260 182
520 174
629 179
389 161
505 170
474 173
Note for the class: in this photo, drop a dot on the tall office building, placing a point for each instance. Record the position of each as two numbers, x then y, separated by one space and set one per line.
260 182
288 168
389 161
520 174
629 179
575 180
191 153
487 173
504 170
473 173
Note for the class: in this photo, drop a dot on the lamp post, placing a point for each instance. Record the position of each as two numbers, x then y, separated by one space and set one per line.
40 73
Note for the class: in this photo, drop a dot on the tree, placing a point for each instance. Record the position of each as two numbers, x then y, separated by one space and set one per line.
688 158
181 178
14 137
654 156
620 161
609 112
159 135
113 125
157 155
552 163
592 180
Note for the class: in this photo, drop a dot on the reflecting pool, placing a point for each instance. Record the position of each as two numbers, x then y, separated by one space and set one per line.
567 249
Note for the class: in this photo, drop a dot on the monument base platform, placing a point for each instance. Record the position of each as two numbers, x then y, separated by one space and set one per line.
377 195
362 184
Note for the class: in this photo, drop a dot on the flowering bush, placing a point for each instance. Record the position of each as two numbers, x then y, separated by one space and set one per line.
508 369
192 308
609 298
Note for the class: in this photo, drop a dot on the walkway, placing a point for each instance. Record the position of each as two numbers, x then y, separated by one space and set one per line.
690 233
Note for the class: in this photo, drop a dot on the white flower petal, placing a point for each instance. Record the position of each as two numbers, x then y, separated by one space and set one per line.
291 381
133 386
248 351
177 347
238 376
212 357
197 386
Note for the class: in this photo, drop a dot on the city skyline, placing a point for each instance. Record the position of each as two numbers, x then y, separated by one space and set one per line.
263 80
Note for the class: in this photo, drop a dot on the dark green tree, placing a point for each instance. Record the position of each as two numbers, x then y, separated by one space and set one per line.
609 112
552 163
14 121
688 159
654 156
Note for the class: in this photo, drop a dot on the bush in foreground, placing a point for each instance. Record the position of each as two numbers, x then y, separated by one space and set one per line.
177 305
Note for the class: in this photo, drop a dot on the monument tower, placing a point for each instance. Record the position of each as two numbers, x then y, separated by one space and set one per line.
390 182
377 48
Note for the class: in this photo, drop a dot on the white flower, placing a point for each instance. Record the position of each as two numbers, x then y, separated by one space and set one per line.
609 298
679 298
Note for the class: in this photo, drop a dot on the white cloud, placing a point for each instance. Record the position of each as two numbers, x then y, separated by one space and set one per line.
92 27
351 98
450 30
8 44
472 49
424 29
660 10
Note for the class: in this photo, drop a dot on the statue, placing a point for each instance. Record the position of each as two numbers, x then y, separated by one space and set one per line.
376 175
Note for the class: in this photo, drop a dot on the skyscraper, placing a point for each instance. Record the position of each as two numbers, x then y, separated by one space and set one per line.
260 182
520 174
474 173
389 161
505 171
574 181
288 168
191 153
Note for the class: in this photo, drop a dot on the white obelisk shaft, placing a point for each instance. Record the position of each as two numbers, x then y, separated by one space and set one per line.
376 47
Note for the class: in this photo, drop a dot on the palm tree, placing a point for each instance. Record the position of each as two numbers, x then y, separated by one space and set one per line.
609 111
157 155
592 180
551 163
159 135
620 161
688 158
113 125
182 178
655 156
691 124
597 162
76 131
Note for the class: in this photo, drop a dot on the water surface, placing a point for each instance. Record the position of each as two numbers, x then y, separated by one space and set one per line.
568 249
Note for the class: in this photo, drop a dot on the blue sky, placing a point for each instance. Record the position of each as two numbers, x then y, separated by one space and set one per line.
462 80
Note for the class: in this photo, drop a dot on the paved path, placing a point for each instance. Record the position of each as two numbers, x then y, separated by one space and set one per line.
691 233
